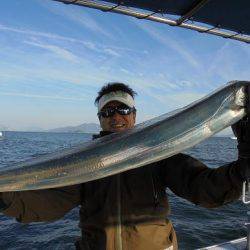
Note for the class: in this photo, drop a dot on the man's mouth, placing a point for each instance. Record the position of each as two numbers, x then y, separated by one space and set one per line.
117 125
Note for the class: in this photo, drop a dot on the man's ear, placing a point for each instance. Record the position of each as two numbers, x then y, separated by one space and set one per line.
134 115
100 122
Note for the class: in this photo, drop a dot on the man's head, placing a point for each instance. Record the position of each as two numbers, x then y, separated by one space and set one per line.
116 107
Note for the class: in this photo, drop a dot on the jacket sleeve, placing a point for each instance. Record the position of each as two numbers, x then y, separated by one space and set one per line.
191 179
40 205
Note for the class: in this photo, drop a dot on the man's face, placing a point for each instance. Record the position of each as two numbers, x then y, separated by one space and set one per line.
117 122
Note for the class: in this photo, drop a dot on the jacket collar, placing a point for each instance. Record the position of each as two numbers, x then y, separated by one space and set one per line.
101 134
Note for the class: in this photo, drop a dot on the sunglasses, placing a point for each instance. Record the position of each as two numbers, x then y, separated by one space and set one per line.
121 110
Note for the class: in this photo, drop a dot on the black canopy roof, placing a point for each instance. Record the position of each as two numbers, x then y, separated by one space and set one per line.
226 15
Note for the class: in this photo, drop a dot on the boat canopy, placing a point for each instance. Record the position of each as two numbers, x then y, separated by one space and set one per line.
225 18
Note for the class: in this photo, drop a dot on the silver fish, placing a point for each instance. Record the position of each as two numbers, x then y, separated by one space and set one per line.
148 142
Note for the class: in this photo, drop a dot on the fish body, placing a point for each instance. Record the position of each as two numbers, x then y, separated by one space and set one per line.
148 142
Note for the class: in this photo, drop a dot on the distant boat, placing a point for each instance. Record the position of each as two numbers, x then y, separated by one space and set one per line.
1 135
233 138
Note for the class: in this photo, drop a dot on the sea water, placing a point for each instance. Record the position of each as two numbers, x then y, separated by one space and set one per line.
195 226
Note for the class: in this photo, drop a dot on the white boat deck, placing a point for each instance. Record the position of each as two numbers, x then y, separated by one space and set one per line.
238 244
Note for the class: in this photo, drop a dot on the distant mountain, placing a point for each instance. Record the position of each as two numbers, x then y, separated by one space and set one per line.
83 128
32 129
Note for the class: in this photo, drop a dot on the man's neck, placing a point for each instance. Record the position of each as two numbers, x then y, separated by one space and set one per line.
101 134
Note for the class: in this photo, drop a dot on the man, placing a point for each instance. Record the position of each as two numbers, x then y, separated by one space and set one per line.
129 210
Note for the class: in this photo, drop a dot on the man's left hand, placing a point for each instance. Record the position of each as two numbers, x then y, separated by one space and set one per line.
241 130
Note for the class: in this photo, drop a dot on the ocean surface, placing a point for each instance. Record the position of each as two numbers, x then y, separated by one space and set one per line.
195 226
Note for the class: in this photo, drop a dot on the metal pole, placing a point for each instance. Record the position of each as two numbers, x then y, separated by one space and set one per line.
245 201
248 230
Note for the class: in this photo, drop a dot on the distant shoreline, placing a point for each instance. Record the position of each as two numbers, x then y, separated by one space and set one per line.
82 128
62 132
82 132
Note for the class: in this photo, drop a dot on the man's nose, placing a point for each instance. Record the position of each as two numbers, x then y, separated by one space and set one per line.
116 115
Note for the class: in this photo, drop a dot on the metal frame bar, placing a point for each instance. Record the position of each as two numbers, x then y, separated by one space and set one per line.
71 2
112 7
233 35
147 15
208 30
143 15
191 12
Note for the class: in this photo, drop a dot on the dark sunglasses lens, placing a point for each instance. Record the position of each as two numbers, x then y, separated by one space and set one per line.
107 113
111 111
124 111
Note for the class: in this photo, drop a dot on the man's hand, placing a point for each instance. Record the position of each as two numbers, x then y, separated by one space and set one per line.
241 130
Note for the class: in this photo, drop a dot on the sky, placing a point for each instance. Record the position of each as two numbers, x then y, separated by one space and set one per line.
55 57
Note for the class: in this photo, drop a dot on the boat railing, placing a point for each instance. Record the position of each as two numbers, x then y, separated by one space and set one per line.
245 191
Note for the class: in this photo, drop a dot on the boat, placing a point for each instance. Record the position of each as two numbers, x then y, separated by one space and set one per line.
230 245
233 138
203 16
1 135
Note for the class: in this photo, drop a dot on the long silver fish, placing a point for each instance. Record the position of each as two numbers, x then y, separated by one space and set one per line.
148 142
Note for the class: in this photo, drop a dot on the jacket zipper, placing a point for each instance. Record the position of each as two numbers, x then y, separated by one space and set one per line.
119 220
156 198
